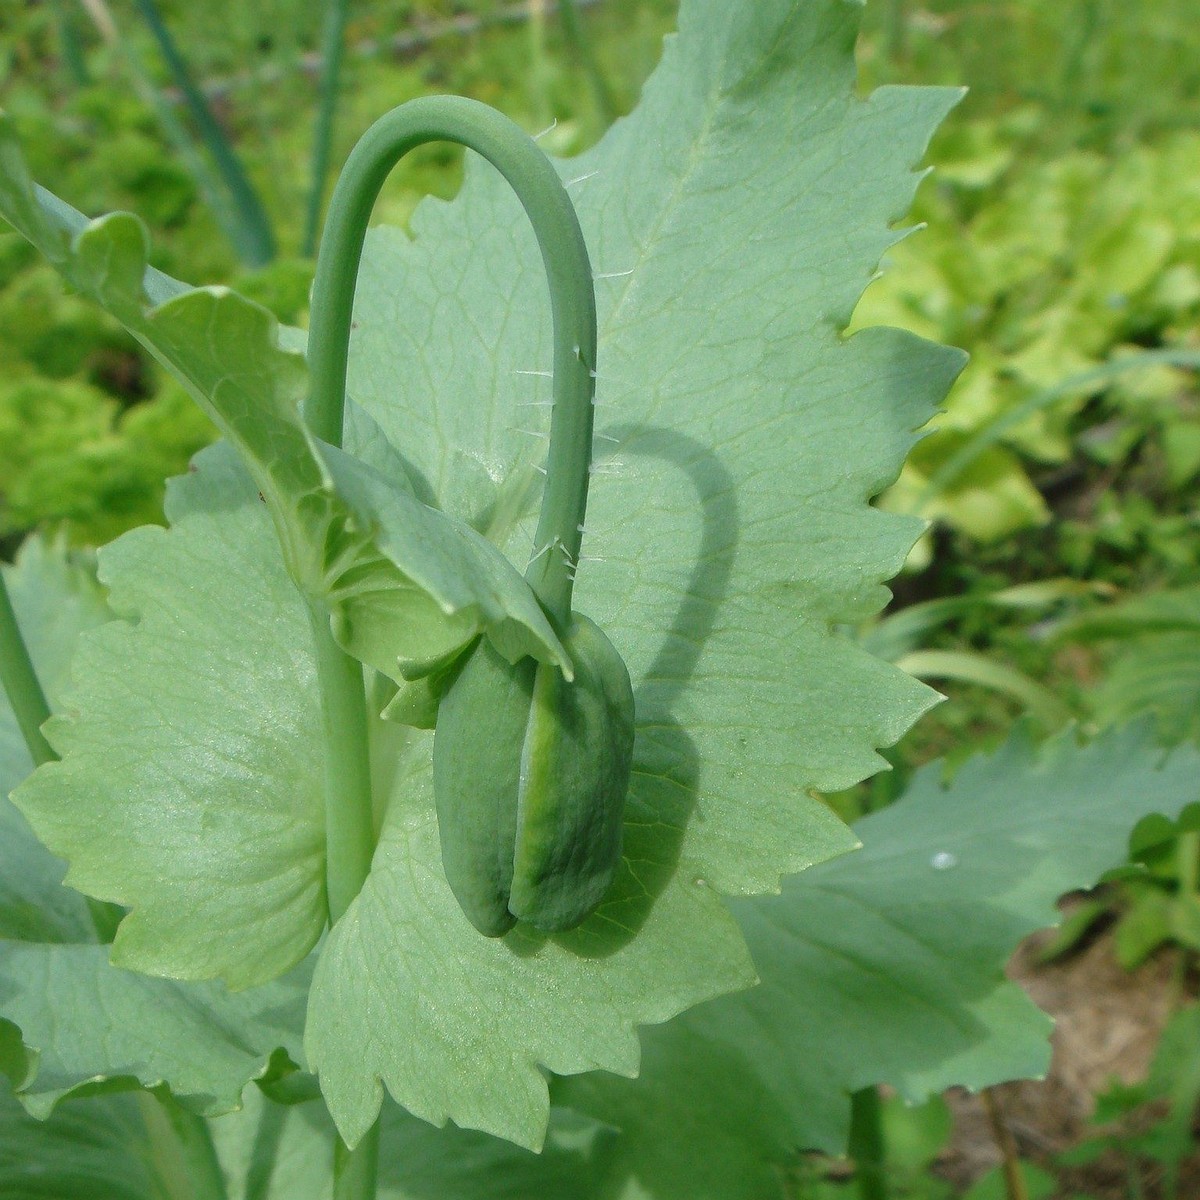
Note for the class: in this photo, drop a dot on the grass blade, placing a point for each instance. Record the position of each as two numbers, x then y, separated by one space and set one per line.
333 39
253 240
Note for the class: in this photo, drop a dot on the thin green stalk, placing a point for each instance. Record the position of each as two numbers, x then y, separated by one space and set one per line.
572 302
1014 1177
355 1171
585 55
537 82
333 41
897 30
181 1149
868 1148
184 144
1187 862
265 1152
21 683
349 824
255 242
72 44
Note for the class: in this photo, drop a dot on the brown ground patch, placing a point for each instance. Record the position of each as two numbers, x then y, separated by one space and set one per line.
1108 1023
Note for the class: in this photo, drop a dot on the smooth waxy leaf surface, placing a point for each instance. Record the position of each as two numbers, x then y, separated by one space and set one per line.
79 1021
91 1149
404 584
744 206
886 966
749 198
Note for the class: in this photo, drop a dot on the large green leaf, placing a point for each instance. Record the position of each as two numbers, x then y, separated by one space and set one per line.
744 207
886 966
92 1150
200 756
76 1020
87 1025
728 513
452 997
251 840
404 585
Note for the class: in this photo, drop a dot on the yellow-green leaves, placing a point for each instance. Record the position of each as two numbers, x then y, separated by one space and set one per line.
77 1021
530 774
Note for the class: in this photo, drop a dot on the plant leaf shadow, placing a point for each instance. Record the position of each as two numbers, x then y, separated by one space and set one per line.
666 763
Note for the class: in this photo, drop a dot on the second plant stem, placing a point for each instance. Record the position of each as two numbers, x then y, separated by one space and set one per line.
21 684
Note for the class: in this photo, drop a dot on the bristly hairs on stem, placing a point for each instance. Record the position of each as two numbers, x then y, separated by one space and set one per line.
572 300
348 807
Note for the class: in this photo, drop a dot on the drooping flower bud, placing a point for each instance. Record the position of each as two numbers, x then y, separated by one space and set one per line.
530 775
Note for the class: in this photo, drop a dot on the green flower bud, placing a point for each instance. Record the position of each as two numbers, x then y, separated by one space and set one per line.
530 775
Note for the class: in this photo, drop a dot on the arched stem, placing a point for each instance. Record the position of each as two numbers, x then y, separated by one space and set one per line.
572 302
350 839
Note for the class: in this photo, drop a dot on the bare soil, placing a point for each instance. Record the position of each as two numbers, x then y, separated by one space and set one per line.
1108 1024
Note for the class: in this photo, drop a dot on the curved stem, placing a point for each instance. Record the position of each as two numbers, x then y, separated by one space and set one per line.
572 302
21 684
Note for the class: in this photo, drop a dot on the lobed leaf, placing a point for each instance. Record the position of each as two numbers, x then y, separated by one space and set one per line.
742 207
451 997
74 1021
887 966
429 585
